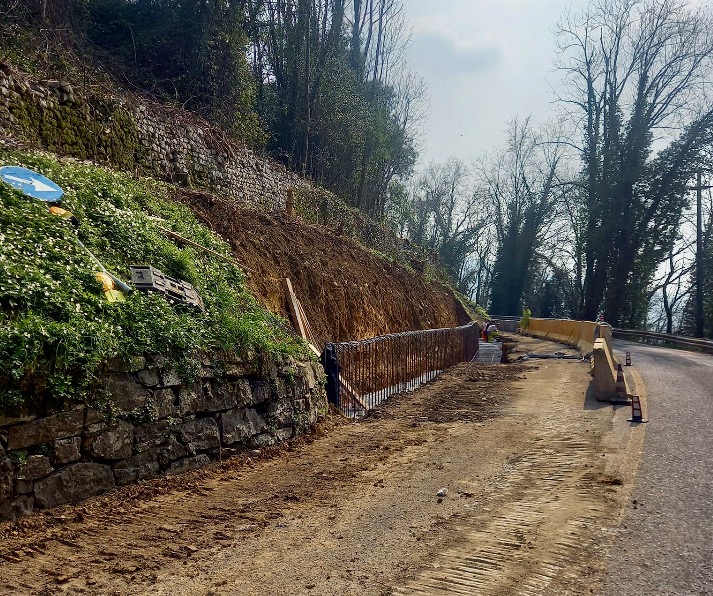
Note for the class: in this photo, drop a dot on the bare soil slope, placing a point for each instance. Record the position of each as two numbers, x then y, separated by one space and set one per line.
346 291
536 477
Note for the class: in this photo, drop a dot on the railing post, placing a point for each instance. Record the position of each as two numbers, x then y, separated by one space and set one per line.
290 203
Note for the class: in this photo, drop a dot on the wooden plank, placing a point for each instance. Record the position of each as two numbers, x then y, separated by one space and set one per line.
179 238
294 310
305 322
351 394
299 319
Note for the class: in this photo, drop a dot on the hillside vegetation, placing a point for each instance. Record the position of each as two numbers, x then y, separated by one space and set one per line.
56 328
321 85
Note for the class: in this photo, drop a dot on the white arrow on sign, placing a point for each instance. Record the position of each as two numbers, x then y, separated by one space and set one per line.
38 185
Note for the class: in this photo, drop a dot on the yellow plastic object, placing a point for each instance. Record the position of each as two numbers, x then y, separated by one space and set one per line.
114 296
110 292
105 280
58 211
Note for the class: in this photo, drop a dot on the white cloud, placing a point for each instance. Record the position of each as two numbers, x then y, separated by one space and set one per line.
484 62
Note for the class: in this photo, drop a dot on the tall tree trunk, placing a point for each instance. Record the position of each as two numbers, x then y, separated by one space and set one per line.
307 16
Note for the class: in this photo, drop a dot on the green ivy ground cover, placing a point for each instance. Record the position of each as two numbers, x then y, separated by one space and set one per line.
56 329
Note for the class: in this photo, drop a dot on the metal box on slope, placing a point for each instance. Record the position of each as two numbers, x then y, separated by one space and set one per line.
150 279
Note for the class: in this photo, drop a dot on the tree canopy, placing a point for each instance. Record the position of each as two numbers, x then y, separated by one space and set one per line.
319 83
637 72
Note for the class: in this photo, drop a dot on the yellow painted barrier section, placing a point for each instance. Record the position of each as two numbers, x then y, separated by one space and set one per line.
580 334
603 372
589 337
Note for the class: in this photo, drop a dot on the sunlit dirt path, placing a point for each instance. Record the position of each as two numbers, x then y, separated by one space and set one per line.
536 476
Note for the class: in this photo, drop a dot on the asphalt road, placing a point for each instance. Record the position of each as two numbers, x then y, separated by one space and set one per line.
665 543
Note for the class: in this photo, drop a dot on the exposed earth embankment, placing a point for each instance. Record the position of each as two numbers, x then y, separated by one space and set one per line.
347 291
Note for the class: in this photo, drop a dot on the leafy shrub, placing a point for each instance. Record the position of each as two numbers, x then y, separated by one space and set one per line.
56 329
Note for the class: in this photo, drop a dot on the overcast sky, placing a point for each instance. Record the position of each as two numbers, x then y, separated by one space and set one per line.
484 61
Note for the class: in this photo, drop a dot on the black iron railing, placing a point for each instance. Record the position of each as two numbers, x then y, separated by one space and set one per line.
362 374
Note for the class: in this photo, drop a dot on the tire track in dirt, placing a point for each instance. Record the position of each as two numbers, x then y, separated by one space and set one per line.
529 542
354 510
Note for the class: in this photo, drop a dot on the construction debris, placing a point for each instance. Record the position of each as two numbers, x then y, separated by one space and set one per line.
150 279
488 353
555 356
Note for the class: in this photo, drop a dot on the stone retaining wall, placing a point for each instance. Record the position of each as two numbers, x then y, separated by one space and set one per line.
134 135
156 425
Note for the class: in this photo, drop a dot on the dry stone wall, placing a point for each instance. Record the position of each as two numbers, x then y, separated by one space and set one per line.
132 134
177 148
175 145
157 425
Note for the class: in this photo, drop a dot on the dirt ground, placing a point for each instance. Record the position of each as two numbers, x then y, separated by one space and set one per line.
347 292
535 476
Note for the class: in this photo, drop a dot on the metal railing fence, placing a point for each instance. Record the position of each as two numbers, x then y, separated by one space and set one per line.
703 345
362 374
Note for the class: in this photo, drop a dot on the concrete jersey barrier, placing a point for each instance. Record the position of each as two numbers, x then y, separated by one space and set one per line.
579 334
589 337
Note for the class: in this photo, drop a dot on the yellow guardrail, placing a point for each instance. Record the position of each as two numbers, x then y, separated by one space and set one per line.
580 334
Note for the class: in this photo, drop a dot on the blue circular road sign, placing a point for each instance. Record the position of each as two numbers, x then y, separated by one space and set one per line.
31 183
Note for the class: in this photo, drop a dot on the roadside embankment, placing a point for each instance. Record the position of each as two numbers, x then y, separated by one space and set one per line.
347 291
74 425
